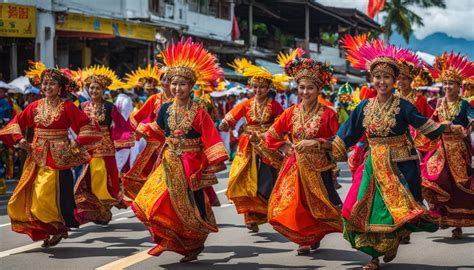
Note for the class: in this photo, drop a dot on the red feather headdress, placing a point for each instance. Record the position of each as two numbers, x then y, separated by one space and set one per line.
452 67
190 60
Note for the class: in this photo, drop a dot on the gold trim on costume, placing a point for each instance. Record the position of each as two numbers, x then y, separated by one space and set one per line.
380 119
428 127
11 129
339 149
215 152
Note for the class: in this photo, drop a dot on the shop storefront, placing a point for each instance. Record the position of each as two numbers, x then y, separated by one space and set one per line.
17 39
85 40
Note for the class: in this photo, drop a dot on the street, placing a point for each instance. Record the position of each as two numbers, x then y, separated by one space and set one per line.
124 242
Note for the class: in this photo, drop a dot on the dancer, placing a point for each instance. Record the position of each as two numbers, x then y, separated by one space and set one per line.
172 203
134 179
448 180
98 189
304 206
42 205
386 204
252 175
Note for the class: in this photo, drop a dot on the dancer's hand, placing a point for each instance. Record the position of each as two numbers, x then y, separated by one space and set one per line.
254 137
285 149
307 146
224 126
23 144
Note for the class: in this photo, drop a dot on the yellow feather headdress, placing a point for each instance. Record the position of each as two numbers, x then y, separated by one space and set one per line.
141 76
102 75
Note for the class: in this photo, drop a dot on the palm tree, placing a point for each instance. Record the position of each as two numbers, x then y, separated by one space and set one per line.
401 18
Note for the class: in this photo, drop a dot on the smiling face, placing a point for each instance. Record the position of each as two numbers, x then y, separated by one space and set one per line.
383 83
404 83
451 89
50 87
96 92
260 89
308 91
180 88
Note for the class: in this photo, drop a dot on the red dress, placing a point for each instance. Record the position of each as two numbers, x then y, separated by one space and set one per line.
43 201
304 205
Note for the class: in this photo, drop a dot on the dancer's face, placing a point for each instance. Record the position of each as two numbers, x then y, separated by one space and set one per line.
50 88
180 88
260 90
96 91
451 89
383 83
404 83
308 91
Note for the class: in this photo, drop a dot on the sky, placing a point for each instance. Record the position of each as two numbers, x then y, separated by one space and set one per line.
457 20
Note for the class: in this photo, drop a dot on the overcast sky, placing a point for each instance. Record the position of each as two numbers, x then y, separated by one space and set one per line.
457 20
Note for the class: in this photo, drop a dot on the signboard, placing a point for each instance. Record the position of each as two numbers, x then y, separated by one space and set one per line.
17 21
81 23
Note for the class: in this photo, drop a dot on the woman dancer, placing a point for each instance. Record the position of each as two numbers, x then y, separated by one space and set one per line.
252 175
304 205
386 204
172 203
98 189
42 205
448 180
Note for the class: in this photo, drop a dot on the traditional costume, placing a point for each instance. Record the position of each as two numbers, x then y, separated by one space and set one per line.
385 204
42 204
448 178
172 203
304 206
98 189
252 176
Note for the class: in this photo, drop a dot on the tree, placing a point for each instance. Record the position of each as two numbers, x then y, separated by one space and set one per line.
401 18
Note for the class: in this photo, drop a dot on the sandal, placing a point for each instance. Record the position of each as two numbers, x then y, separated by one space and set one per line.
372 264
192 256
405 240
46 242
303 250
54 240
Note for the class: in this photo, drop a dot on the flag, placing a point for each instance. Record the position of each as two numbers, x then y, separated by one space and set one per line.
375 6
235 33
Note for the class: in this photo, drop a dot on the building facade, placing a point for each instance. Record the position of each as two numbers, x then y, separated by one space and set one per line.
122 34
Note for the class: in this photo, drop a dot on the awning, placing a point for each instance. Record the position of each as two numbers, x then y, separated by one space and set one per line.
78 25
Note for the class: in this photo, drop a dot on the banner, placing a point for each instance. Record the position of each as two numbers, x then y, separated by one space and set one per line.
374 7
81 23
17 21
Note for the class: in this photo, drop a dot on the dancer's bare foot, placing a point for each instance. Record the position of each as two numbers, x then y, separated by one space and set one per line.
253 227
457 233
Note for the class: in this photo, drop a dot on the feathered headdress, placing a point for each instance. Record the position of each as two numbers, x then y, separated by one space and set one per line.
423 78
38 72
374 56
102 75
409 63
190 60
141 76
259 74
452 67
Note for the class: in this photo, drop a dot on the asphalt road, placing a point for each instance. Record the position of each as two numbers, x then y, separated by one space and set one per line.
124 242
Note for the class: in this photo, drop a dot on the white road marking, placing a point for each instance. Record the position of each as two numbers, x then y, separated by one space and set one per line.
221 191
20 249
226 205
38 244
4 225
127 261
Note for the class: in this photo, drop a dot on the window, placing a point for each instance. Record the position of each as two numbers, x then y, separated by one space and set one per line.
157 7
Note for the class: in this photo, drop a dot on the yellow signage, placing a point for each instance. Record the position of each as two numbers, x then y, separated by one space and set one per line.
17 21
81 23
